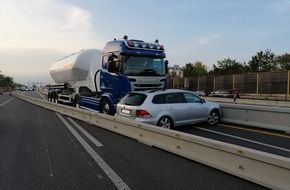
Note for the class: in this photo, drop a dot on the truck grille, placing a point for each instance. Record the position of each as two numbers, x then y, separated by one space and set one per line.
147 86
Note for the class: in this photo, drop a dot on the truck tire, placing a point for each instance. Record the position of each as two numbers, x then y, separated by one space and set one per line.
49 96
54 96
106 109
77 101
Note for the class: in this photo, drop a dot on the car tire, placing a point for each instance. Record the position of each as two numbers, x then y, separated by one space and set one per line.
106 109
165 122
213 117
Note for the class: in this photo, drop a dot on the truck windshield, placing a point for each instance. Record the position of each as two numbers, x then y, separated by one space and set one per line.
143 66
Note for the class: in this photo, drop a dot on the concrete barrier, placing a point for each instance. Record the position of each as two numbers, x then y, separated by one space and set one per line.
275 118
275 103
266 169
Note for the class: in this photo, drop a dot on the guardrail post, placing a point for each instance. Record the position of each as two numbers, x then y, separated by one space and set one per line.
213 83
233 81
257 87
198 83
288 85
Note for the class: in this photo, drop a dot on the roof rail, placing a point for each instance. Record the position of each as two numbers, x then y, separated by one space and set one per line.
156 89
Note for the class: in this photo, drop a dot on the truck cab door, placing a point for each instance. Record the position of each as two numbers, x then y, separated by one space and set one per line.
112 80
114 83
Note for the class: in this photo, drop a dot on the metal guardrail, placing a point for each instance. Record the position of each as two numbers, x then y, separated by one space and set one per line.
266 169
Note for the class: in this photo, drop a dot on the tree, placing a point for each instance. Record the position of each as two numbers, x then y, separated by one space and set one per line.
199 69
188 70
283 61
6 81
2 79
263 62
228 66
195 69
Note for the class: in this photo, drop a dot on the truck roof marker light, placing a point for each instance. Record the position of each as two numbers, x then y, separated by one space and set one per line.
158 46
151 46
144 45
162 47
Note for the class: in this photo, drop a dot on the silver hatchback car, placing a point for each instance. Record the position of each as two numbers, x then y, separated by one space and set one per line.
168 108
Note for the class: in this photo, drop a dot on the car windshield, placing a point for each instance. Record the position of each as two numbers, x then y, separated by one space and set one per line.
143 66
134 99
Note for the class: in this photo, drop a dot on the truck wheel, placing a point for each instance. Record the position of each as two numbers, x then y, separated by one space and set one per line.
77 101
106 109
54 96
49 96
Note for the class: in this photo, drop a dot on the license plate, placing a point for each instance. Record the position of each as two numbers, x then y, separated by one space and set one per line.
124 111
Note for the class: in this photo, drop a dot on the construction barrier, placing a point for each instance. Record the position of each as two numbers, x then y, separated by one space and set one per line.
266 169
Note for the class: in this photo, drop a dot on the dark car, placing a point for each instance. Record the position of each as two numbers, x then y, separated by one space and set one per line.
224 93
203 93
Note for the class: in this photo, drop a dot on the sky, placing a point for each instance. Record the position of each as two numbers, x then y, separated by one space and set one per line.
36 33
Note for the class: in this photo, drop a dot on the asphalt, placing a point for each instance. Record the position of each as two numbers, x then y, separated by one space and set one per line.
37 151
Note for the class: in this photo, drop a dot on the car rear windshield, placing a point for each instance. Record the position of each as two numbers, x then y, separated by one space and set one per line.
134 99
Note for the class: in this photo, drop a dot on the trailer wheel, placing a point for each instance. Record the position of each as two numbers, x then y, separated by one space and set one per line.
54 96
49 96
106 109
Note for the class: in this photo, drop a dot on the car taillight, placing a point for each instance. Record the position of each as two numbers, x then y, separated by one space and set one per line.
142 113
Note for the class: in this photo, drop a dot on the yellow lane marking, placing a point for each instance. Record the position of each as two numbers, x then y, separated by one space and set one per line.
256 131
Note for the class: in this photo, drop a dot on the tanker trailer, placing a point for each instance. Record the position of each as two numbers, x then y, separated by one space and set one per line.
95 80
74 75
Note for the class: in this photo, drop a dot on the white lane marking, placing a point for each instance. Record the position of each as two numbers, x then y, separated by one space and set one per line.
248 140
119 183
6 102
45 145
41 95
95 141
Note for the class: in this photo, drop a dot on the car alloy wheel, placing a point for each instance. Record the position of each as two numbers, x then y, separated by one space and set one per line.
165 122
213 117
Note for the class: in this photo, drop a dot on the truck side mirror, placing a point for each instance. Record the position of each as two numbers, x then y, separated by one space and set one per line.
166 66
112 57
115 66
